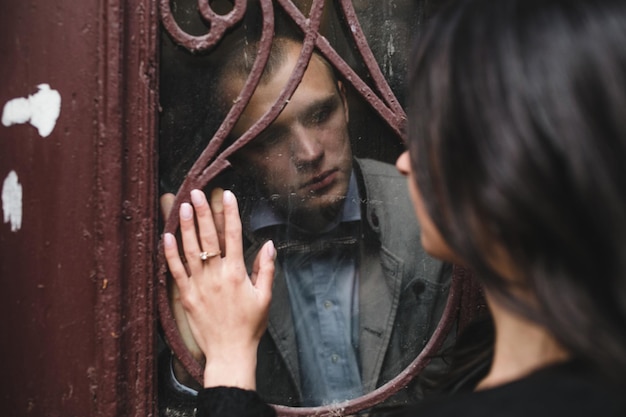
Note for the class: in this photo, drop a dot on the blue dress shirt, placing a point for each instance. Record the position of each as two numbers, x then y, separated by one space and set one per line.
321 271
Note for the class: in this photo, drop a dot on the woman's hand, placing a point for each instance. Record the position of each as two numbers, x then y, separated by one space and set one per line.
181 374
226 310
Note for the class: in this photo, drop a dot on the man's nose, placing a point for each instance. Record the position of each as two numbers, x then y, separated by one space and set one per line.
306 147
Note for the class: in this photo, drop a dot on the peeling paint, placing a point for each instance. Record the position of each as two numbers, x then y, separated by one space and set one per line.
41 110
12 201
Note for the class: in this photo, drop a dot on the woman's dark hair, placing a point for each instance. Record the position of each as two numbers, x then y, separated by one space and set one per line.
517 136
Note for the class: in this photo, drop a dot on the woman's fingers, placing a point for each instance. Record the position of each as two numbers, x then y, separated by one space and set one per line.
175 264
209 243
223 219
191 247
202 243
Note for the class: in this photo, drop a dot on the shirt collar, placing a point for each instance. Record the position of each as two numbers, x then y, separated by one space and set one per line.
263 214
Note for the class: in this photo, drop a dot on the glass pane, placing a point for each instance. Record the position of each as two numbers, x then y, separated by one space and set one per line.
355 298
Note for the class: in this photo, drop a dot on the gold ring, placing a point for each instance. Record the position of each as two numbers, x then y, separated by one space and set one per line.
206 255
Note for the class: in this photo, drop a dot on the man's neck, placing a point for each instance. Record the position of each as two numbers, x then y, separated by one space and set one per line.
314 222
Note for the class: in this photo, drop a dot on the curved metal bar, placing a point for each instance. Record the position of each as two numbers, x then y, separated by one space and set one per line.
387 107
210 163
403 378
198 177
368 58
170 330
219 24
395 118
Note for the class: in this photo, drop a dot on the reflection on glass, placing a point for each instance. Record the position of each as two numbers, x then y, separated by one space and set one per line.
353 302
341 226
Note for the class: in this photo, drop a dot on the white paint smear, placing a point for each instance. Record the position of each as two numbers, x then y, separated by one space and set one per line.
41 110
12 201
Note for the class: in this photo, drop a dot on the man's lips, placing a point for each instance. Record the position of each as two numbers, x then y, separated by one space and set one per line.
321 181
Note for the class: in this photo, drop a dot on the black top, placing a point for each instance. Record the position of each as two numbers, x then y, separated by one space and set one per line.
232 402
564 390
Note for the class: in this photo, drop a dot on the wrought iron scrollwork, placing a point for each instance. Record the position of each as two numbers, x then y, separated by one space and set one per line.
214 159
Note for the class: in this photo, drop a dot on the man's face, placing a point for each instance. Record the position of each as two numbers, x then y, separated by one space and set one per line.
303 160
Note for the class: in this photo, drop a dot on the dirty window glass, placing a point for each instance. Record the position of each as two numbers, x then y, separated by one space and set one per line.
310 139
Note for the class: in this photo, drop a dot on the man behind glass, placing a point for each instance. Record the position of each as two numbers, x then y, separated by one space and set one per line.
352 306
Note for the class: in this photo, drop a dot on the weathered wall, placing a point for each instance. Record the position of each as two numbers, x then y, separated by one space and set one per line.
76 296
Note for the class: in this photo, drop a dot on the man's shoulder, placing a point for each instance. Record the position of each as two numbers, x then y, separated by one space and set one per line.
387 206
373 167
381 182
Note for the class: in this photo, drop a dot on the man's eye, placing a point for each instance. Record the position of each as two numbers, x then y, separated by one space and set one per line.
271 140
267 140
321 116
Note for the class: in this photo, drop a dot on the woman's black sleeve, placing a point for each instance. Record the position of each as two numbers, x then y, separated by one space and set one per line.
232 402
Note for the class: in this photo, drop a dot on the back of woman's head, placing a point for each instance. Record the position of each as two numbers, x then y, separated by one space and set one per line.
517 133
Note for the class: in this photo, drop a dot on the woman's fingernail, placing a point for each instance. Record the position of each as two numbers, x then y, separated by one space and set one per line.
168 240
196 197
229 197
186 212
271 250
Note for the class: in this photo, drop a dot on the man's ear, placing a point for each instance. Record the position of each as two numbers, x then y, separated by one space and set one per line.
342 92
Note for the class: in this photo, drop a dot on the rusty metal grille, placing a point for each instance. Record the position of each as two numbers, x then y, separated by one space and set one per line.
372 88
380 97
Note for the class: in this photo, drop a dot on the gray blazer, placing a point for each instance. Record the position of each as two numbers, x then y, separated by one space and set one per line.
402 293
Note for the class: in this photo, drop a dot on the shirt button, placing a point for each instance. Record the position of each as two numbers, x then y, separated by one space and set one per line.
327 304
334 358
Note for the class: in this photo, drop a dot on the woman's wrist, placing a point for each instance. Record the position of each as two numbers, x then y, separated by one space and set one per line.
237 369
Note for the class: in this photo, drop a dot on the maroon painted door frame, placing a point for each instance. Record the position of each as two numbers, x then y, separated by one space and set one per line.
76 277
